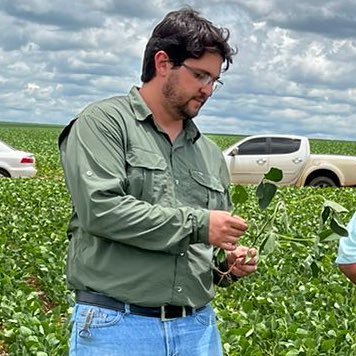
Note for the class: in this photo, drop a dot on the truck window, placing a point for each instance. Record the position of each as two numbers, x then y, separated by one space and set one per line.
254 146
284 145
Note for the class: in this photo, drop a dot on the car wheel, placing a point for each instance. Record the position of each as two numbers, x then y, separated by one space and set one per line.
4 174
322 182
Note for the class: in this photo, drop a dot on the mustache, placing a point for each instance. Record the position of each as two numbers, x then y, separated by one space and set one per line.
201 99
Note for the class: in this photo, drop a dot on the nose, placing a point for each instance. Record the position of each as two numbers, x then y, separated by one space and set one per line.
207 89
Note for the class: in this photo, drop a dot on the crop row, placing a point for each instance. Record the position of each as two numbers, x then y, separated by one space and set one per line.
281 310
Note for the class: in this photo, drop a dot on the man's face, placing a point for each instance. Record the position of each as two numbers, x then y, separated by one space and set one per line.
188 87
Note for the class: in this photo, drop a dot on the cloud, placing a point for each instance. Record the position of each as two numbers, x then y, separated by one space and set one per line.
294 72
330 18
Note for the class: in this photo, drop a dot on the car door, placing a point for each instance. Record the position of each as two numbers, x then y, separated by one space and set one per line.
248 160
289 154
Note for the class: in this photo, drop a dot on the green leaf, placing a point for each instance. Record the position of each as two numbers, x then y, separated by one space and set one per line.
268 244
284 219
335 206
220 255
338 227
293 353
274 175
325 234
332 237
302 331
315 269
239 195
325 213
227 347
259 190
327 345
268 192
25 330
250 332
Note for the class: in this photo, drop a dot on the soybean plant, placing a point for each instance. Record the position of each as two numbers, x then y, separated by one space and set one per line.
276 226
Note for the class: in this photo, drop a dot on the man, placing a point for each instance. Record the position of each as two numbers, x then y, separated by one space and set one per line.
346 258
150 195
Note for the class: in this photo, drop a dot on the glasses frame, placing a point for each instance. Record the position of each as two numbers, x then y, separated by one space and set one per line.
204 78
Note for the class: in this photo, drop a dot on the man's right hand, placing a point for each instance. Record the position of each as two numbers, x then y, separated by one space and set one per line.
225 230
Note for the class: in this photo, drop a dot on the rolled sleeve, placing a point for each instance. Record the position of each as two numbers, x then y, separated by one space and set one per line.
347 245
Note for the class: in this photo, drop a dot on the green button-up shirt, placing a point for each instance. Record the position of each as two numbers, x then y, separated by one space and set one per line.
139 230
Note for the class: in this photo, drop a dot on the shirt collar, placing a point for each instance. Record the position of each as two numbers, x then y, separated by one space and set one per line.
191 130
139 107
142 112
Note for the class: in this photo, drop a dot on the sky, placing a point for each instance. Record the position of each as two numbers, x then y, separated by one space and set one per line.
295 71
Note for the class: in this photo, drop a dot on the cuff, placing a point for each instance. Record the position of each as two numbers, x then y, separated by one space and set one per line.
200 227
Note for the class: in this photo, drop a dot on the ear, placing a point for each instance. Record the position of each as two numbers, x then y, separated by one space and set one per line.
162 63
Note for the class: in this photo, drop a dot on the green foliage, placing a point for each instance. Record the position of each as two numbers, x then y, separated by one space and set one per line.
41 141
34 301
284 308
281 310
347 148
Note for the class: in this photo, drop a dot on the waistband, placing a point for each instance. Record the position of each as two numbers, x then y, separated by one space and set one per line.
164 312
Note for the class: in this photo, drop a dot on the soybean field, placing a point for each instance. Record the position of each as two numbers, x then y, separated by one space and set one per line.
285 308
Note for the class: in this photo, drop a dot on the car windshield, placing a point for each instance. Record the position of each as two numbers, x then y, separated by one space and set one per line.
4 147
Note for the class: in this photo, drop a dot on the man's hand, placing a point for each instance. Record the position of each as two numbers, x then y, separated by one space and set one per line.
237 259
225 230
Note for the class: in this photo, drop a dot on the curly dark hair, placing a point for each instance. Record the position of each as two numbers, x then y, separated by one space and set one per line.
185 34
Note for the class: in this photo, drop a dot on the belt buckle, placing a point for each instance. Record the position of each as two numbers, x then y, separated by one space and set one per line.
163 314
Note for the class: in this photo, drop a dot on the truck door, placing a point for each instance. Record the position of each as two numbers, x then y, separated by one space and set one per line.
290 155
248 161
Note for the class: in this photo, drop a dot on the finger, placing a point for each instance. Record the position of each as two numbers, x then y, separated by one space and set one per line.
231 239
244 270
234 232
245 261
250 261
238 223
252 252
228 246
239 218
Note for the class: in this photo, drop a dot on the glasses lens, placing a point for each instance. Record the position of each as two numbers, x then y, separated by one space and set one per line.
217 85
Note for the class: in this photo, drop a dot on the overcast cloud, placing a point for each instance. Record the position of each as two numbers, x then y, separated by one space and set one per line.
295 71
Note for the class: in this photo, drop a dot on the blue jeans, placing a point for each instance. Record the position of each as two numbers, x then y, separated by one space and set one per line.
105 332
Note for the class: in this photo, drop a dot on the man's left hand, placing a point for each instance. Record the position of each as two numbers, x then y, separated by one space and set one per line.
244 261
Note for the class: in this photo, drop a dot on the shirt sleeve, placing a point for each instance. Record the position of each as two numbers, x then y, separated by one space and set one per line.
347 245
93 159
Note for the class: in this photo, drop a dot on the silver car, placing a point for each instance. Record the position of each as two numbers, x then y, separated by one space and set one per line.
16 164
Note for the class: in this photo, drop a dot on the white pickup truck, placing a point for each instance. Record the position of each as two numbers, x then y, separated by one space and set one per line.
250 158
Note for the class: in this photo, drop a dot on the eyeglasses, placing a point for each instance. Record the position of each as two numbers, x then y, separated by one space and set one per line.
204 78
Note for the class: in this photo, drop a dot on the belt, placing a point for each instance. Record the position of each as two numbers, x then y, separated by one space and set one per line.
165 312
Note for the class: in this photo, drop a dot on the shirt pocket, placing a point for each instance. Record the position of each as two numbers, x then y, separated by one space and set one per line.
212 192
147 174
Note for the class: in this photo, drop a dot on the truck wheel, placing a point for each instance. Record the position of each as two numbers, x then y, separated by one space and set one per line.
4 174
322 182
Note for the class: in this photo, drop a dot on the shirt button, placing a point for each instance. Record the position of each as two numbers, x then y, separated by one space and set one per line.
179 289
89 173
181 254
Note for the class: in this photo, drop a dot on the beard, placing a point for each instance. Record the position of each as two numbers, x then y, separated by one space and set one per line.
177 102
